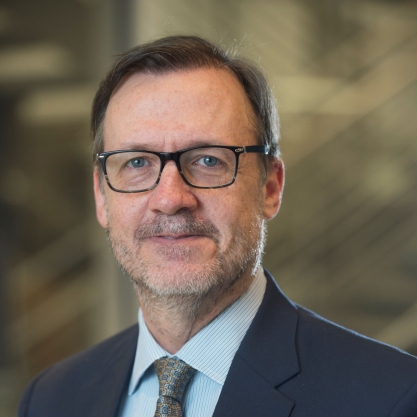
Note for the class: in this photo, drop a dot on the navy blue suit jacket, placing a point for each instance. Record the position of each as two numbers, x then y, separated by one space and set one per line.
290 363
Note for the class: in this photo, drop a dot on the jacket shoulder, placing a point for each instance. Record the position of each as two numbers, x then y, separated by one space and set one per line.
57 386
353 369
319 333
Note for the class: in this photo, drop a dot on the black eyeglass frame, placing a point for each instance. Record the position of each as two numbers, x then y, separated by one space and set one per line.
175 156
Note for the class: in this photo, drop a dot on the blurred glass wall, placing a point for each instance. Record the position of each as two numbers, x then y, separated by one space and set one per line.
344 244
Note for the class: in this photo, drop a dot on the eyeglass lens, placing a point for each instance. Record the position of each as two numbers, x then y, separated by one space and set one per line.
203 167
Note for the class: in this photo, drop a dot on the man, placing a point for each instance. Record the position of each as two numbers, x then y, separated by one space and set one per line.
187 173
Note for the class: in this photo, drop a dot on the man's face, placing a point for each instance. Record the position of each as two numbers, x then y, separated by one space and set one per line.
176 239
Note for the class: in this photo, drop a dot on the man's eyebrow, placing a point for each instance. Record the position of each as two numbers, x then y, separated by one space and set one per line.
204 142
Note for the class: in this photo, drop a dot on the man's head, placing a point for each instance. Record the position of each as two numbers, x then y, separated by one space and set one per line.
175 238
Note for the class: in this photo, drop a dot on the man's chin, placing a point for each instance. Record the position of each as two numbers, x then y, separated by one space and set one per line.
178 281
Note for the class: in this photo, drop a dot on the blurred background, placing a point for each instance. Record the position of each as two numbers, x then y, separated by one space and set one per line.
345 77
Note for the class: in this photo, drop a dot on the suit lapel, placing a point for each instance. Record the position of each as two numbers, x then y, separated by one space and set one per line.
108 387
266 359
246 393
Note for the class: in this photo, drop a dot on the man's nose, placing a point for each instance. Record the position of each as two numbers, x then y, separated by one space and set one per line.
172 193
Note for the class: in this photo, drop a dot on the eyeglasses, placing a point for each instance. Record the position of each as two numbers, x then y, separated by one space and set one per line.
135 171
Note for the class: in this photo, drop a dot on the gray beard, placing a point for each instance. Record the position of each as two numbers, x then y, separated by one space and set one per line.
191 295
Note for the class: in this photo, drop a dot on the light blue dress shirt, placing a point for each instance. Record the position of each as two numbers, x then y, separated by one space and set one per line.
210 352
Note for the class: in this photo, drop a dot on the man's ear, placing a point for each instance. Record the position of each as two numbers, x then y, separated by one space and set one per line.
274 186
100 198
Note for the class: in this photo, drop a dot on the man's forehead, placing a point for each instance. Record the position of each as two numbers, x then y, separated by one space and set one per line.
203 101
210 81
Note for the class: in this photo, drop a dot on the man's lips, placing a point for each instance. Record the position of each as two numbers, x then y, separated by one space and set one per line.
177 237
179 228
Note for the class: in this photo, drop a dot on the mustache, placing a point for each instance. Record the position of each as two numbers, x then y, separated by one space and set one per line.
178 224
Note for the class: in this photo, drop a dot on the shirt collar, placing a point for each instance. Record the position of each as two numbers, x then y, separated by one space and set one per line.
212 349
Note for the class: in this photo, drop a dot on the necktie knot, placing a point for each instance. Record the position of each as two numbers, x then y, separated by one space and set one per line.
173 376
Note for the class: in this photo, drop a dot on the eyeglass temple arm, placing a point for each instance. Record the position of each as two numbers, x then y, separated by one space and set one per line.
264 149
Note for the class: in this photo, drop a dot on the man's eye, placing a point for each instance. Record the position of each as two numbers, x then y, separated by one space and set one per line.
136 163
208 161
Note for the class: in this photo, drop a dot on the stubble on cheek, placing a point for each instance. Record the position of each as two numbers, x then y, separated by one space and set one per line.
152 270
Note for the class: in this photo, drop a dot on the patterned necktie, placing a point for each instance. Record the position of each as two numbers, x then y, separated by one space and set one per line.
173 375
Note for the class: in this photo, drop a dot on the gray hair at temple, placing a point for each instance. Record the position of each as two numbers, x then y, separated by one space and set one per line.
181 53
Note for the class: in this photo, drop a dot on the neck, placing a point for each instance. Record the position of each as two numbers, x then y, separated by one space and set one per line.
173 320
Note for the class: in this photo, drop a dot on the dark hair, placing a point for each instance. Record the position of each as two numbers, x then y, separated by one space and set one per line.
179 53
